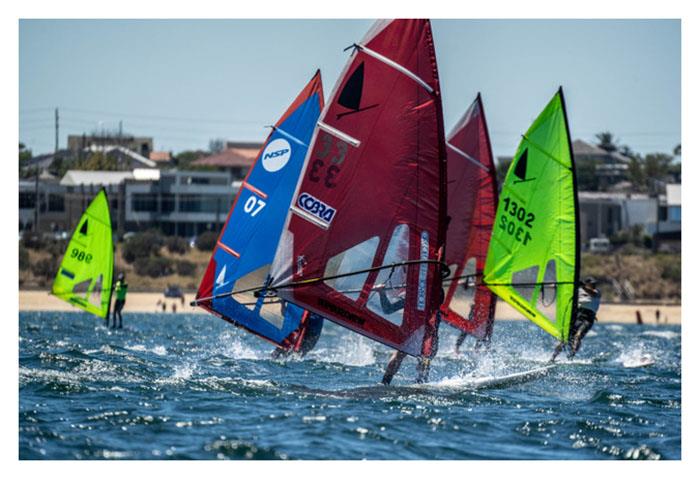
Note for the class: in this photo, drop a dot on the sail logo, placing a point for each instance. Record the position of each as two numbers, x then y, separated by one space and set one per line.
423 270
316 208
521 168
276 155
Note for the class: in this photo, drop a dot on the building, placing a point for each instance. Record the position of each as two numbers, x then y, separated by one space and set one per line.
668 237
236 158
143 145
610 167
603 214
183 203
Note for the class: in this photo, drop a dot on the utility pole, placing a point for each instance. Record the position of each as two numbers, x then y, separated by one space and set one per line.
55 149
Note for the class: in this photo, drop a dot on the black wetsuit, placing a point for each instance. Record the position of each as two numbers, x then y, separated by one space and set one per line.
312 334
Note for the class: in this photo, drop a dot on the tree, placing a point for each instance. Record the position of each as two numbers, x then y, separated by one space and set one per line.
97 161
25 155
677 150
656 165
216 145
183 159
502 166
606 141
636 174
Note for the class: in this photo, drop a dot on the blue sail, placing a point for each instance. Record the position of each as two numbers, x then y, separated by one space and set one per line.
247 244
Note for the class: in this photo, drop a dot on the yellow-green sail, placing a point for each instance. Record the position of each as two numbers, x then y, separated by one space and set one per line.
84 278
533 257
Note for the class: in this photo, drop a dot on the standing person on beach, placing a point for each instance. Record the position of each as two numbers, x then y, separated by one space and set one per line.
120 289
588 304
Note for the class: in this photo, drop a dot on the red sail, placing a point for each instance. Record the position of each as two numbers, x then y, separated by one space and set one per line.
373 193
472 193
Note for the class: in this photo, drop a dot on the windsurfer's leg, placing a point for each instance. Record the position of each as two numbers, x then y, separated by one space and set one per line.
393 366
460 340
557 350
586 326
423 369
279 352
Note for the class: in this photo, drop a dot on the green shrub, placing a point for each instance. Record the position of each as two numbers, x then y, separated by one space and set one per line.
154 266
56 247
185 268
177 245
33 241
142 246
206 241
670 267
23 258
45 267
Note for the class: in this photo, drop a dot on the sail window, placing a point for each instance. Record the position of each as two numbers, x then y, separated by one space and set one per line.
389 292
356 258
463 296
525 282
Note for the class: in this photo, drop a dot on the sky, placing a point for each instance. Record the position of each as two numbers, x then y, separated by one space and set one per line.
184 82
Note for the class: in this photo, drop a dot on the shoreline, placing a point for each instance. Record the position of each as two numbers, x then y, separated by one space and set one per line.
137 302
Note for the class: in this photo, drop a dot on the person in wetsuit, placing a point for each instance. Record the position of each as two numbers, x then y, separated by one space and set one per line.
430 341
120 289
588 304
310 332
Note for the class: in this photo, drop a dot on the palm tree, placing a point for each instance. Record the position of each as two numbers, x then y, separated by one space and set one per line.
606 141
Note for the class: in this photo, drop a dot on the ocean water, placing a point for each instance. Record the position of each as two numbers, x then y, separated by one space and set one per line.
187 386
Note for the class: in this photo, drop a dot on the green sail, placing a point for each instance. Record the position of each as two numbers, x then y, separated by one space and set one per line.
533 257
84 278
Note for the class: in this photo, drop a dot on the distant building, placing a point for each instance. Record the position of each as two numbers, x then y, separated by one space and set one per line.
609 168
237 158
603 214
126 158
668 237
183 203
143 145
162 158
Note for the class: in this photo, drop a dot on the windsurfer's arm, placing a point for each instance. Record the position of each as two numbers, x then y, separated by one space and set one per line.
387 306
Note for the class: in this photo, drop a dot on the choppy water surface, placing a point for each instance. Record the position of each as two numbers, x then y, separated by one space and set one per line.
193 387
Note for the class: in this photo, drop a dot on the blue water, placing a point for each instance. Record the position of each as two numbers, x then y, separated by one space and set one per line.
193 387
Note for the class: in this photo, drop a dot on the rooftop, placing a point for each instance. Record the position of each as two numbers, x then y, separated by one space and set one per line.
230 158
104 178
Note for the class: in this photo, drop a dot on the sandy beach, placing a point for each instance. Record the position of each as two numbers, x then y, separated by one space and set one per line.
148 303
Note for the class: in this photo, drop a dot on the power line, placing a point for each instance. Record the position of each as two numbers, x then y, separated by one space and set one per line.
163 117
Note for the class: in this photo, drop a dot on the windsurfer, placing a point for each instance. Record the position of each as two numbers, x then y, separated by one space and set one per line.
484 343
120 289
588 304
430 341
310 332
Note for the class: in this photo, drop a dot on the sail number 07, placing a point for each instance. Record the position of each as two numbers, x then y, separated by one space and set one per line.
253 205
518 214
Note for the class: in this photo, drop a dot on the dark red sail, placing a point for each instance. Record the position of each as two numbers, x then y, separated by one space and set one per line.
373 193
472 196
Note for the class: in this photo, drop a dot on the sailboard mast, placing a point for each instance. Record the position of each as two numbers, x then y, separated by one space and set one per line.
364 237
533 260
84 278
472 197
246 245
